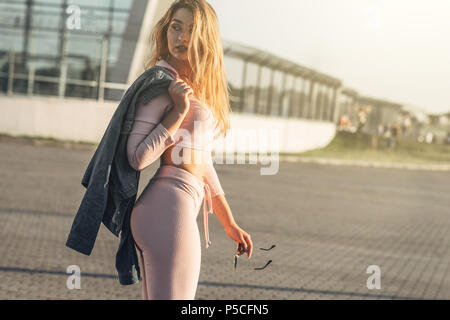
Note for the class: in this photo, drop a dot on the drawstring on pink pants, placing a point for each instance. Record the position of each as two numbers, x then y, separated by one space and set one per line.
207 200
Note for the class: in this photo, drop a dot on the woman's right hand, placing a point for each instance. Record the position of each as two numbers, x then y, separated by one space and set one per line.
239 236
180 91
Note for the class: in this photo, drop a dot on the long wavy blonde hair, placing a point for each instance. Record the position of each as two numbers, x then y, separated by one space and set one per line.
207 75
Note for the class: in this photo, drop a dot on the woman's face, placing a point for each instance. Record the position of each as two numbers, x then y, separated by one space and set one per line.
179 33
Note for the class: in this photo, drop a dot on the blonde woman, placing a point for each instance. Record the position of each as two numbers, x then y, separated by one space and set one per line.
179 127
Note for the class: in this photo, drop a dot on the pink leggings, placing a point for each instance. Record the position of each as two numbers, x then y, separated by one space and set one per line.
164 226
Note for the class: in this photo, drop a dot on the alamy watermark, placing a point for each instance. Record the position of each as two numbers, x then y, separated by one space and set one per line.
73 21
74 280
261 144
374 281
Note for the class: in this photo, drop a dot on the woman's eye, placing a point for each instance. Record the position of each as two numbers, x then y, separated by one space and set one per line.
177 28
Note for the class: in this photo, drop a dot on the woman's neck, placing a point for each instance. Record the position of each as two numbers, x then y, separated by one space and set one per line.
180 66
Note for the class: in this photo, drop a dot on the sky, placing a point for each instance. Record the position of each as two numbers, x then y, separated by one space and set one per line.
398 50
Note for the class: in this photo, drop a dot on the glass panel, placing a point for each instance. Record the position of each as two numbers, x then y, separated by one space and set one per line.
304 87
11 40
122 4
319 99
4 71
295 97
56 2
276 91
264 90
82 47
234 68
91 3
44 43
12 14
115 45
48 68
12 17
119 22
85 47
44 16
326 105
250 87
94 20
285 97
117 72
20 84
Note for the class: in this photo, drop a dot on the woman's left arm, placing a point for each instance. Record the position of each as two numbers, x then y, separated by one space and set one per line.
223 211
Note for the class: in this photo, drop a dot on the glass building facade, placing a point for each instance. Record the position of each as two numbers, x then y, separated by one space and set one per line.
86 49
68 48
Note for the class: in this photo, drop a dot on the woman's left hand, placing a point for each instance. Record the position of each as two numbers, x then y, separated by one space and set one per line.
240 236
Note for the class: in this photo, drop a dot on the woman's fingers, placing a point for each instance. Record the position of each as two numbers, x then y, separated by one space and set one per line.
180 82
249 243
242 238
185 89
180 91
246 241
180 85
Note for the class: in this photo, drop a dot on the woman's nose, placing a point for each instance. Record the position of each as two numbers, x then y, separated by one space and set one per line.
184 35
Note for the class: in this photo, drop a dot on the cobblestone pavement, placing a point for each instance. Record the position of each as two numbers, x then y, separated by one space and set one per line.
329 224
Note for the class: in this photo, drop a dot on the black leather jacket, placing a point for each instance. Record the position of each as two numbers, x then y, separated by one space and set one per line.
112 184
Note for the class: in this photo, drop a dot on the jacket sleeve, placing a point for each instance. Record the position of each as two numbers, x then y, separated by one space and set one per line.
148 138
210 177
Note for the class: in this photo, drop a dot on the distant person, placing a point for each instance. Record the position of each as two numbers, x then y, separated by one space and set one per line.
362 119
391 134
343 122
429 137
395 130
406 125
380 129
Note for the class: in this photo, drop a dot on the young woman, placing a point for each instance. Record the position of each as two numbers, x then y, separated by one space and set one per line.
179 128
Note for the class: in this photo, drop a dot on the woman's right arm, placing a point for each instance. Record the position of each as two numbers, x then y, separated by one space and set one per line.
143 149
173 120
149 138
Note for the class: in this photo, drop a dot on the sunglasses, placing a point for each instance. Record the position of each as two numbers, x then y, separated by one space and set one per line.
240 251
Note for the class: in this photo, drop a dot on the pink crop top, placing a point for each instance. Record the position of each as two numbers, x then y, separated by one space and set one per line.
149 138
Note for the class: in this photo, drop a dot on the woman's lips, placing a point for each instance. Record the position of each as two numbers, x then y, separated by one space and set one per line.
181 48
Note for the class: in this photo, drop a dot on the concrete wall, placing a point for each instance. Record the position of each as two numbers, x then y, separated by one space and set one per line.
65 119
253 133
86 121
